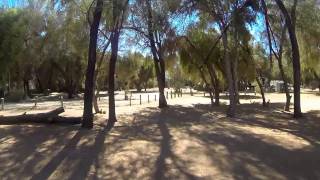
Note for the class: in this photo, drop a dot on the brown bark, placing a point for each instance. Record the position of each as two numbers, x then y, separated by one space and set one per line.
95 102
282 73
264 104
203 77
40 117
290 22
88 93
95 86
317 77
232 106
157 57
112 66
215 83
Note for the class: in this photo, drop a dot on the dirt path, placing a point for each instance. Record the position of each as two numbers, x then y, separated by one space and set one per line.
188 140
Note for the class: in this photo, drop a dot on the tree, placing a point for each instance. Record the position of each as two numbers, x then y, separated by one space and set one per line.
150 20
119 9
88 94
196 48
290 23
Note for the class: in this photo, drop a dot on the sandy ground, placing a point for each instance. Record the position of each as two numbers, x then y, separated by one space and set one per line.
188 140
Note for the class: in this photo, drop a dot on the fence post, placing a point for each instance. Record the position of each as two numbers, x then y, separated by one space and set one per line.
130 99
204 94
140 99
61 101
148 98
2 103
155 97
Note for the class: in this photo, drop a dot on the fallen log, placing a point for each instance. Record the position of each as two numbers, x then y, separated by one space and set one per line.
47 117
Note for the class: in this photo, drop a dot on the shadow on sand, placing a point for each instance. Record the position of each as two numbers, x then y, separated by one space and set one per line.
174 143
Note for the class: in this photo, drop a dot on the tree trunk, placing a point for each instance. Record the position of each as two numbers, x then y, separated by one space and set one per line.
282 73
39 86
26 89
215 83
157 57
88 93
285 83
295 56
232 106
40 117
207 85
95 102
235 80
317 77
264 104
112 67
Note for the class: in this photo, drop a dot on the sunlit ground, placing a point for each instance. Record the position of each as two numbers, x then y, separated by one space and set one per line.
188 140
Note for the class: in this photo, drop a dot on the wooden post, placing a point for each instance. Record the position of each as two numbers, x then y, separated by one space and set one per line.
130 99
2 103
61 101
148 98
204 94
140 99
155 97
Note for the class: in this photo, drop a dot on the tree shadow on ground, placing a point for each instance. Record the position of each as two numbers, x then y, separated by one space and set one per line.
173 143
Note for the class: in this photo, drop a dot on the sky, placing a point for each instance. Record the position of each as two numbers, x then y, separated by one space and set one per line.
180 24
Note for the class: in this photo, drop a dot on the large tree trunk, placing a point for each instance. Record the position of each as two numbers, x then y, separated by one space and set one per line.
290 22
232 106
112 67
40 117
88 93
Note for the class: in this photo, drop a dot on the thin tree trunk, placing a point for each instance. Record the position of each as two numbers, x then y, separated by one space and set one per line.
317 77
208 85
95 102
282 73
9 83
157 57
235 81
232 106
290 22
285 84
95 86
112 68
88 93
215 83
264 104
